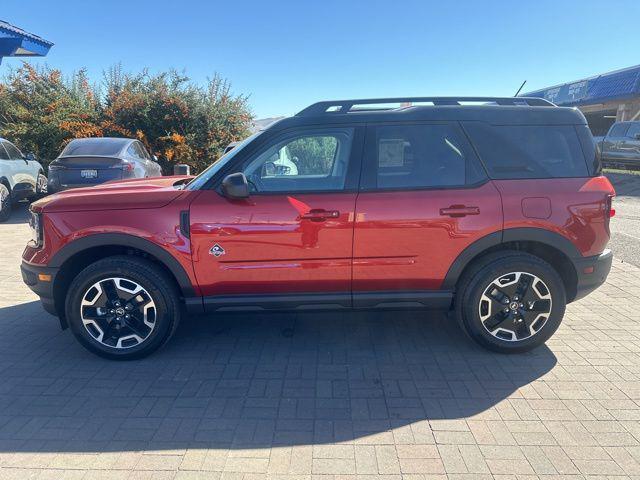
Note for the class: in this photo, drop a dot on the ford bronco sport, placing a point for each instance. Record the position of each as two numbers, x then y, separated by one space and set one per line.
494 208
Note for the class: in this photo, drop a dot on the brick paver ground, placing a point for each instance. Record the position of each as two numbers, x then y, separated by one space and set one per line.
321 395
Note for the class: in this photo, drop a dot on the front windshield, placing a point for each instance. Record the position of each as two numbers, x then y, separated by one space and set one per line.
199 182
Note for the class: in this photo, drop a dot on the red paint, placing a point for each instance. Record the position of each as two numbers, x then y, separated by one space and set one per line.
403 241
270 246
324 242
579 208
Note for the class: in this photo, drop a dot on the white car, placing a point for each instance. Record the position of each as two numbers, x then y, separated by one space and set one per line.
20 177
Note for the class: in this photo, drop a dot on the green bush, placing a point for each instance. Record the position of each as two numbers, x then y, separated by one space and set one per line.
180 122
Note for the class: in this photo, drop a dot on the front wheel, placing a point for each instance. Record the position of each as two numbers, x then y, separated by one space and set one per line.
511 302
122 307
5 202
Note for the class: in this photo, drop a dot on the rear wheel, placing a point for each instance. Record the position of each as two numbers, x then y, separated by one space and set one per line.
122 307
5 202
511 302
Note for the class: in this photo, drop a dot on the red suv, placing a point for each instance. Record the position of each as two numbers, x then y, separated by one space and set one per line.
493 207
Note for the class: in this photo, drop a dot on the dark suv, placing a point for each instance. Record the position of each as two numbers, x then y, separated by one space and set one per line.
492 207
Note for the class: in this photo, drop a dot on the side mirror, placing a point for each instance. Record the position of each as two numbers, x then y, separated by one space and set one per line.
235 186
30 157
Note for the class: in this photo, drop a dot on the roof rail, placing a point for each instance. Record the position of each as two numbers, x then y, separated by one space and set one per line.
345 106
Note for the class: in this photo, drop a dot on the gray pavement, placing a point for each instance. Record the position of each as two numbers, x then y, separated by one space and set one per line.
625 226
321 396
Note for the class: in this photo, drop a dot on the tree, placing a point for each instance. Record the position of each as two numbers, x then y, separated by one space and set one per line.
40 111
178 121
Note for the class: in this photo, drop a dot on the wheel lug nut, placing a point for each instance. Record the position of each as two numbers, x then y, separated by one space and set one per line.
127 316
112 311
506 310
521 305
505 301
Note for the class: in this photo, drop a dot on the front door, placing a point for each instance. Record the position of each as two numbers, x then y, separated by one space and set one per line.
293 236
424 199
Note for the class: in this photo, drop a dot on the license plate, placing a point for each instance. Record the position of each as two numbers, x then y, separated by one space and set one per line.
89 173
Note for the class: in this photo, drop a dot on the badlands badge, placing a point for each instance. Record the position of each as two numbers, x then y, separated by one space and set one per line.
217 250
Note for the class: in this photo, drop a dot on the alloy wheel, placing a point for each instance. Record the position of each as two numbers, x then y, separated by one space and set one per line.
41 187
118 312
515 306
4 196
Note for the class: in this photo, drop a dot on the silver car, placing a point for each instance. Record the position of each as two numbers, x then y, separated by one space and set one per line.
21 176
90 161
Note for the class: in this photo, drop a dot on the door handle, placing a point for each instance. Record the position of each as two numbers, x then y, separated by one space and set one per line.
456 211
319 214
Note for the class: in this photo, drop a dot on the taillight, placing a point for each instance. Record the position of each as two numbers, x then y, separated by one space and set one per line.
127 166
611 210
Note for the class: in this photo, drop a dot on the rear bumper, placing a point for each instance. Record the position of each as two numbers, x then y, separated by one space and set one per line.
42 288
592 272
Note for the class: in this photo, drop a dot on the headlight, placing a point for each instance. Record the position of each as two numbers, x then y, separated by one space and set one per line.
35 225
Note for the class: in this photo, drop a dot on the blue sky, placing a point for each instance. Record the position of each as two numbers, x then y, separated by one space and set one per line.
287 54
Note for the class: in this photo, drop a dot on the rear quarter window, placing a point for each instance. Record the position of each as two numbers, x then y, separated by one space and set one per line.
528 151
618 130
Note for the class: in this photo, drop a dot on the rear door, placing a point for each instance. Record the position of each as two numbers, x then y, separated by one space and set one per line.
294 234
424 198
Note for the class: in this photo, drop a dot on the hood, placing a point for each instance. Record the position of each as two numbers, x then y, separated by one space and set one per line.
116 195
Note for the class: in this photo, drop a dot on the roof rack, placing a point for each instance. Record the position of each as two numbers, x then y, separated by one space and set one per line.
346 106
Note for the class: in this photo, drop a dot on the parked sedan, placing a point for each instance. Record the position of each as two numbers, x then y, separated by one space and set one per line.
90 161
20 177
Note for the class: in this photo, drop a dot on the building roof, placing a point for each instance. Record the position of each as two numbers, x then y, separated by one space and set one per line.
616 85
15 42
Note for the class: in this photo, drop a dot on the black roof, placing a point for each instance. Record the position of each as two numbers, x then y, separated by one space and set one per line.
494 110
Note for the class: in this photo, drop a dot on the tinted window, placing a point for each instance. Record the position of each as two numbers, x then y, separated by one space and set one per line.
306 161
3 153
618 130
526 151
143 152
13 152
634 129
135 151
94 146
421 156
591 153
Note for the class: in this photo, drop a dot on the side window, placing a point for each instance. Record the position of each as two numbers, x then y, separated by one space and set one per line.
135 152
634 130
528 151
618 130
307 161
12 151
420 156
3 152
144 152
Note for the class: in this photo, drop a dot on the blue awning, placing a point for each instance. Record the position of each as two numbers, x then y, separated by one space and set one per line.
617 85
15 42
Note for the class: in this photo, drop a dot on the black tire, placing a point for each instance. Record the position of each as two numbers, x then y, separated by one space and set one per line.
476 307
5 202
156 285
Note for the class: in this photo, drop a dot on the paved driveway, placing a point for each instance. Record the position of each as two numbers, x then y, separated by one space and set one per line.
330 395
